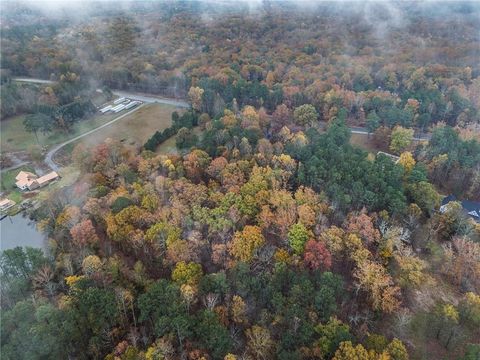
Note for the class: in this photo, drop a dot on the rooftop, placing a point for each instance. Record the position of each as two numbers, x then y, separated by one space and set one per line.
25 175
472 208
4 202
46 178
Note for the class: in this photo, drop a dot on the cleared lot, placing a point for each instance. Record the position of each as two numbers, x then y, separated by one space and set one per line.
137 127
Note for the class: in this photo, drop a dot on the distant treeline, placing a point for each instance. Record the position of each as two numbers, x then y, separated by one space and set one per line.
69 97
339 63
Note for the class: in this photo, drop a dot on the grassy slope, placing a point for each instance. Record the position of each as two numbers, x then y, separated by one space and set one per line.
137 127
14 137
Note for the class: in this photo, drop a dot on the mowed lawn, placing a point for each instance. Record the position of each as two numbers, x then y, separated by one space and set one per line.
13 136
8 182
68 176
136 128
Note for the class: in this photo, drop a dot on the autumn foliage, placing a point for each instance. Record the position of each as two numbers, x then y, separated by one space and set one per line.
266 234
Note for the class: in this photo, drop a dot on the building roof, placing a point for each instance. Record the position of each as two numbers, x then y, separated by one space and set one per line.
46 178
25 175
5 202
29 180
448 198
25 182
472 208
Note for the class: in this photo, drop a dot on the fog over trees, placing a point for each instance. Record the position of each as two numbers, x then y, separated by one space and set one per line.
316 200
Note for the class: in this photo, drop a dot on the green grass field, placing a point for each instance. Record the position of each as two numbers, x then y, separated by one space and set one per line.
8 177
167 147
366 143
14 137
8 183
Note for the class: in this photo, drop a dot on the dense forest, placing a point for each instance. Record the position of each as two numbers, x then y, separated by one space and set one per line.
269 235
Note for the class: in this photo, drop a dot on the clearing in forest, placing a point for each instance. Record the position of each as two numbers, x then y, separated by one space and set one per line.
137 127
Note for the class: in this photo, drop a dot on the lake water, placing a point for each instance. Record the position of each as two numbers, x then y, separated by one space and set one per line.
19 230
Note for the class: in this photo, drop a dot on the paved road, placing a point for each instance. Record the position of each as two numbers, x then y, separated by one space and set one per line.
146 98
363 131
49 157
13 167
33 80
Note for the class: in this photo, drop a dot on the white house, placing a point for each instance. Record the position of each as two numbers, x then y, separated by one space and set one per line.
28 181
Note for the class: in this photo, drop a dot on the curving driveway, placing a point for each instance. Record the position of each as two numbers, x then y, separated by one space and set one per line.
49 157
145 98
135 96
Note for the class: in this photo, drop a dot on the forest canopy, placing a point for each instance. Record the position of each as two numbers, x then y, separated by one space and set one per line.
267 232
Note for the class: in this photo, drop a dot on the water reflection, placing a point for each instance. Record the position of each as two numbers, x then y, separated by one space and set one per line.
19 230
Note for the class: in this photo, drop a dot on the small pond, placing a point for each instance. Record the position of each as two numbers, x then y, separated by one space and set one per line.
19 230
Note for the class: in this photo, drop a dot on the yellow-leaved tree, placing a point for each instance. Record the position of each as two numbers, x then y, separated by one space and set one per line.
407 161
195 95
246 242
